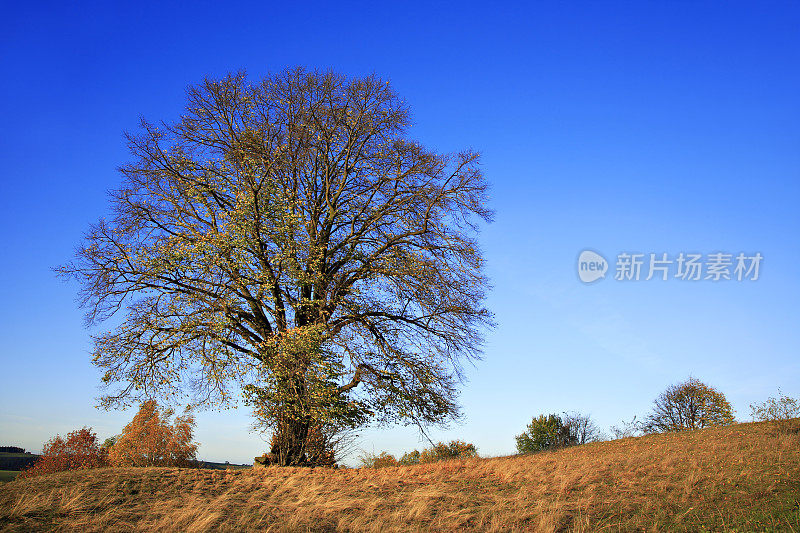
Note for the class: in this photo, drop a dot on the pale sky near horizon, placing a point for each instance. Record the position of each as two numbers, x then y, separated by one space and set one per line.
646 127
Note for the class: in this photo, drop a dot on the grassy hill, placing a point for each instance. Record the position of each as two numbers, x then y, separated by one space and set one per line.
745 477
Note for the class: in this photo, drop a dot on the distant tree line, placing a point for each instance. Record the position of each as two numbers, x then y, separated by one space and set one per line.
11 449
17 461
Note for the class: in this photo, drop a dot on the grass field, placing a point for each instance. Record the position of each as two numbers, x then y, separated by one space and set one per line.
741 478
7 475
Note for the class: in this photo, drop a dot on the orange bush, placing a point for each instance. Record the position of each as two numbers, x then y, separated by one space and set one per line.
151 440
78 450
382 460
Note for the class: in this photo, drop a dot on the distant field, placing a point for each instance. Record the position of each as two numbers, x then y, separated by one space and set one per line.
7 475
224 466
741 478
16 461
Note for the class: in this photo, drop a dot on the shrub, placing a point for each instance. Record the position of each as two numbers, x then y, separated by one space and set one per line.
440 451
382 460
409 458
545 432
78 450
454 449
581 428
151 440
687 406
780 411
626 429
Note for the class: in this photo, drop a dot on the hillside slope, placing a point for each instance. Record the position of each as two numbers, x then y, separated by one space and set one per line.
744 477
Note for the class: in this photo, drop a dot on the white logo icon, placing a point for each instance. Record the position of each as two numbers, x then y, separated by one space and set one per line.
591 266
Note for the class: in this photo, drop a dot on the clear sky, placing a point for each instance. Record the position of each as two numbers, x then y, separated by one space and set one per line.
640 126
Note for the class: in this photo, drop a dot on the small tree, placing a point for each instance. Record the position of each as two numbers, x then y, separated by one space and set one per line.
689 405
151 440
78 450
781 411
626 429
581 428
543 433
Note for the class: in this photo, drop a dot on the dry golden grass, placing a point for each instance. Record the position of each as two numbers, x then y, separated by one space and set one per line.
745 477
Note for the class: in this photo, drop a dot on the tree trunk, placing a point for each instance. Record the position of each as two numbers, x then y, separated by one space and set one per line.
289 443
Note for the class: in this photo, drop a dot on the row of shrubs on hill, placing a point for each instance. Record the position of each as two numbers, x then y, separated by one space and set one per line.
684 406
152 438
438 452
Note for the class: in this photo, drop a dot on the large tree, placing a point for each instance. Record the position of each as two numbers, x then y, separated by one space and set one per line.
287 238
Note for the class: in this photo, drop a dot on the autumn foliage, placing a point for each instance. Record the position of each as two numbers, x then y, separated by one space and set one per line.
440 451
79 449
687 406
288 238
455 449
782 412
150 439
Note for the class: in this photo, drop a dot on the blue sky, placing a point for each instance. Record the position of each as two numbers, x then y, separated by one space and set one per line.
639 126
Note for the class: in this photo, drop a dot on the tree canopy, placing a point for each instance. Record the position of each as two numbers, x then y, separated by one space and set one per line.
545 432
288 237
151 439
689 405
